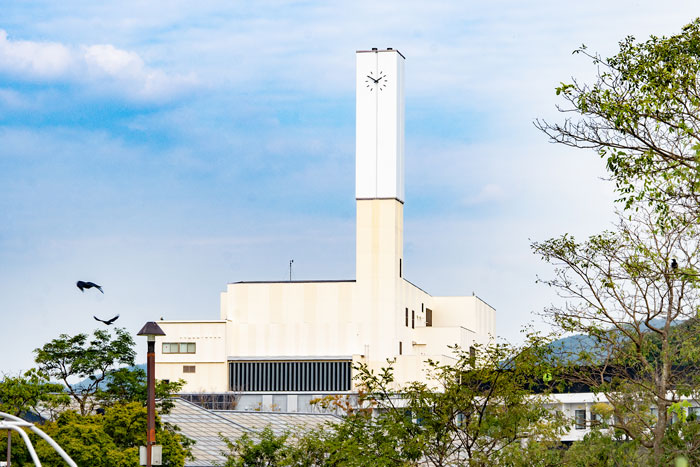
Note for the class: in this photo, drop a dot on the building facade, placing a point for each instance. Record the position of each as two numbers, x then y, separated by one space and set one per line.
304 336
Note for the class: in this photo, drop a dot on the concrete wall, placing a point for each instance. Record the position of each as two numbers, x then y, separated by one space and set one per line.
290 318
210 359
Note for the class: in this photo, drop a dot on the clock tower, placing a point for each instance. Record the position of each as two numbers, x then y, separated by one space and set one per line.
379 190
379 139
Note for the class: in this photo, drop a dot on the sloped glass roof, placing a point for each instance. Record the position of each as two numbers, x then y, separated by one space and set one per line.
204 426
279 422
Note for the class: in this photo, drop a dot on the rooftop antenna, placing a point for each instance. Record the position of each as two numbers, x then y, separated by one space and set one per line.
290 269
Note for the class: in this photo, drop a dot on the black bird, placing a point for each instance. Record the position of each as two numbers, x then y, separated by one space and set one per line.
88 285
108 322
674 264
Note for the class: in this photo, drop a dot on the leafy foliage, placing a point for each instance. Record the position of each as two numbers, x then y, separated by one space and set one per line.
130 385
622 292
69 357
471 409
642 114
22 393
108 440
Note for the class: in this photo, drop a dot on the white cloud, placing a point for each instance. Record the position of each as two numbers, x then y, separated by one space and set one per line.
489 193
37 60
100 68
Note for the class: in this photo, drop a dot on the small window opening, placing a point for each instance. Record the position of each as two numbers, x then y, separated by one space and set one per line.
428 317
406 317
400 348
400 267
413 319
188 369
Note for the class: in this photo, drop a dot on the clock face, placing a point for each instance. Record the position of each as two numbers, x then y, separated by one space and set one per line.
377 81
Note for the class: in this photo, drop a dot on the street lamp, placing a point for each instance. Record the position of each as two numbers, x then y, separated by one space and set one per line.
151 330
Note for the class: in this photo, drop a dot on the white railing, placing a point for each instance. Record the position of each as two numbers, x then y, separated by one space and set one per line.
10 422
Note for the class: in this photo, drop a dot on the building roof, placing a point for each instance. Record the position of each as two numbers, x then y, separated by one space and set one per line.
204 427
279 422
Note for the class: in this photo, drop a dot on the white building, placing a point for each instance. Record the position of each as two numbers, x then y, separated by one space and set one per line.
302 337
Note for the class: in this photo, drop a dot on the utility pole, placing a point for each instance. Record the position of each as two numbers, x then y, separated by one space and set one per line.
151 330
290 269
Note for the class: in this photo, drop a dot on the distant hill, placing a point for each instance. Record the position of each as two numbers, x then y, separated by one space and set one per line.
86 381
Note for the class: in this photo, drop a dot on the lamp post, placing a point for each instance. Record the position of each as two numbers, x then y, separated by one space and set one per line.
151 330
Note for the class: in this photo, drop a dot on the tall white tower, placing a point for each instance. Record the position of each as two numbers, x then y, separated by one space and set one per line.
379 191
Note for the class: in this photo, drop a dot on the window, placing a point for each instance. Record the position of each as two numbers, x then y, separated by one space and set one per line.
400 348
188 369
428 317
472 355
694 413
290 376
179 347
413 319
406 317
580 419
400 267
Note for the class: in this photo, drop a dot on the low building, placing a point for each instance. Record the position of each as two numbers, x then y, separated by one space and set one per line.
303 337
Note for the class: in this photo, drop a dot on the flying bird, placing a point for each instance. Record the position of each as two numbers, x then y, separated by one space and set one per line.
88 285
108 322
674 264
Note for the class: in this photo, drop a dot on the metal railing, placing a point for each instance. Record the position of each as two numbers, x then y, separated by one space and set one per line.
12 423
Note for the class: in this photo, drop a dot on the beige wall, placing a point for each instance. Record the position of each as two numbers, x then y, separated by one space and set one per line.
468 312
364 319
208 377
290 318
210 359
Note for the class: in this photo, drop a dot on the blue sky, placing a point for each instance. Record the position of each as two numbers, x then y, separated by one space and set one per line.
166 149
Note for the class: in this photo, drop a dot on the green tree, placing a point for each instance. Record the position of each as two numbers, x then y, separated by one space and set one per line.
602 449
91 360
642 115
130 385
109 440
30 391
469 411
623 293
260 450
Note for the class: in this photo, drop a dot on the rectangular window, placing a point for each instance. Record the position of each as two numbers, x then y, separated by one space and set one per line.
428 317
400 348
406 317
472 354
179 347
188 368
694 413
413 319
580 419
284 376
400 267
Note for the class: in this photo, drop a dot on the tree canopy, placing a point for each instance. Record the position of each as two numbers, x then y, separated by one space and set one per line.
642 115
91 360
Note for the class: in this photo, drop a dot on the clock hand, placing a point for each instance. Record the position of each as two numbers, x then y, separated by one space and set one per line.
375 80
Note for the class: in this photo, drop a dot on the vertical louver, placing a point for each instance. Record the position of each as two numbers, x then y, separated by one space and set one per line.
286 376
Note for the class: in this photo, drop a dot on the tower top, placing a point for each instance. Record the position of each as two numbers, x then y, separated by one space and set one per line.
376 50
379 124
